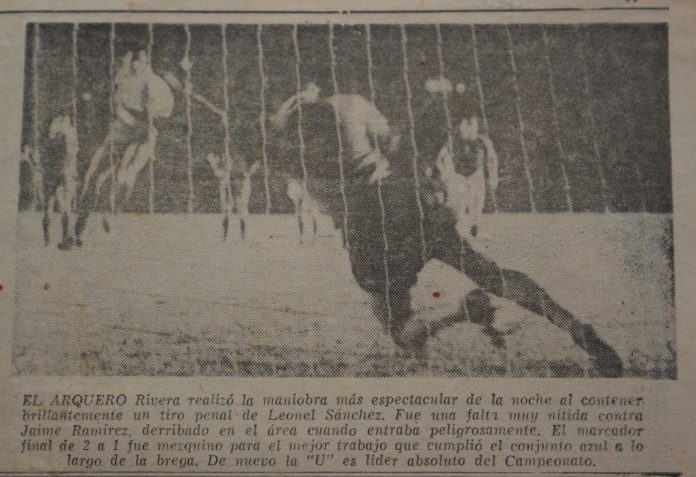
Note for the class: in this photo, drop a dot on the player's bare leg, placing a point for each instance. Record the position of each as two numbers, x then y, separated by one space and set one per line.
117 179
63 127
221 170
133 160
67 242
46 220
300 219
244 197
32 160
119 174
294 193
243 204
71 207
304 206
64 203
94 164
145 153
45 227
309 209
226 205
103 177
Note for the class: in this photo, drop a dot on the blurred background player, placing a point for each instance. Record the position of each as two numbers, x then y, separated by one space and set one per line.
62 192
243 185
223 171
463 168
304 205
228 200
140 97
33 162
234 175
38 182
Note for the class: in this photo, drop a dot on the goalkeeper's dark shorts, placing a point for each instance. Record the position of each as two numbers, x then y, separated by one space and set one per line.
390 238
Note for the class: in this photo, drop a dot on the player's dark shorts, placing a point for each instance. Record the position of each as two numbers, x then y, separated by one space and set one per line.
125 134
398 242
388 237
384 244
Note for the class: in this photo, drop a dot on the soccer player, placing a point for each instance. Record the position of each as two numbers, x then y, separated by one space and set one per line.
463 163
64 194
37 176
388 239
140 98
228 199
243 185
223 172
38 183
238 177
303 204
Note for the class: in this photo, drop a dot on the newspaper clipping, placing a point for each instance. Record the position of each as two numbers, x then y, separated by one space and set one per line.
347 238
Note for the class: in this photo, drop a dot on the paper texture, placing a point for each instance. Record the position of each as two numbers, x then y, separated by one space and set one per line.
409 238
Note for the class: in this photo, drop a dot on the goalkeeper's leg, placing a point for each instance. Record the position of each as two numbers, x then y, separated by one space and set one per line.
518 287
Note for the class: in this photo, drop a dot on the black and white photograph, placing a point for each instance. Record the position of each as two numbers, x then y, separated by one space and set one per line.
345 200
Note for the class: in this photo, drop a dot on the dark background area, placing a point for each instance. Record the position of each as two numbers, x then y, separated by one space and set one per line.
610 83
